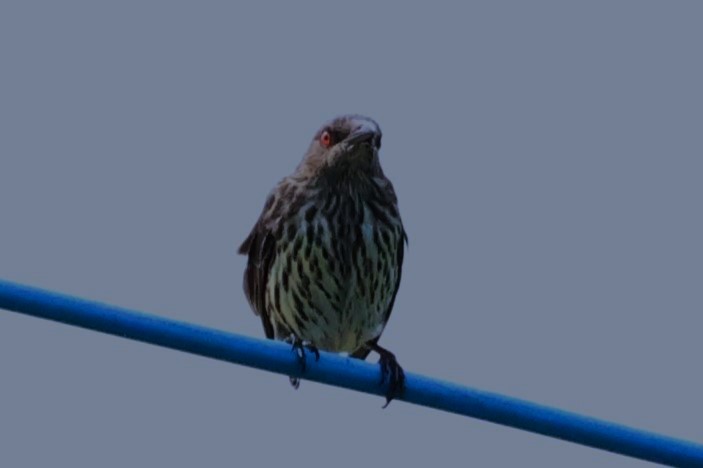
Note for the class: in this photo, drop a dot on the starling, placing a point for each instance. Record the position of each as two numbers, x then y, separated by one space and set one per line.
325 256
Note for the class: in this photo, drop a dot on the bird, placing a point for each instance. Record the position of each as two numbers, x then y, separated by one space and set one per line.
324 259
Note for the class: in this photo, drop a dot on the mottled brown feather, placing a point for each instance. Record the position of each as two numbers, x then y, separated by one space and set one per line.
260 248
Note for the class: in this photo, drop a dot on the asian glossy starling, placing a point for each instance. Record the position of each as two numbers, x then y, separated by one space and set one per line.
325 256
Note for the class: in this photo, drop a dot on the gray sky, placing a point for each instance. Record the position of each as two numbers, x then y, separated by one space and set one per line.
547 157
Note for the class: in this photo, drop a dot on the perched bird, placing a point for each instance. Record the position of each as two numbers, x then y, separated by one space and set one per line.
325 256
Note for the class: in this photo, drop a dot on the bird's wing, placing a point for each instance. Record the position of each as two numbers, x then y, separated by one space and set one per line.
260 247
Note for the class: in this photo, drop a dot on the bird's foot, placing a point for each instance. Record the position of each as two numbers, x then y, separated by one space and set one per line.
299 346
391 371
294 381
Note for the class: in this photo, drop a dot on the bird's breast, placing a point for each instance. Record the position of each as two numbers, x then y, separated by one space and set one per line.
335 272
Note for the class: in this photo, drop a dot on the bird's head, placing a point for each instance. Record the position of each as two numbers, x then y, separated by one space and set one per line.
345 145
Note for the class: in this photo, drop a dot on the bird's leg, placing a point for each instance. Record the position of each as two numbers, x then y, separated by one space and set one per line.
390 369
299 346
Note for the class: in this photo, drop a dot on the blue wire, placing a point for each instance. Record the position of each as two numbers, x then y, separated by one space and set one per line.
357 375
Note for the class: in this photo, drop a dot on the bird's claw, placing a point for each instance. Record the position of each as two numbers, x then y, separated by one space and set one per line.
294 381
391 370
299 346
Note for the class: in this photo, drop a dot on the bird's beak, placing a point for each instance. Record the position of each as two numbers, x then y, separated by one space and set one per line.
364 132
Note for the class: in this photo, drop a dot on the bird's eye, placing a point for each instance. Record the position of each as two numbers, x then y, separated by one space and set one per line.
326 139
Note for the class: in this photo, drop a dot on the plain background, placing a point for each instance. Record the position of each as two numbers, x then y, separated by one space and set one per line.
547 156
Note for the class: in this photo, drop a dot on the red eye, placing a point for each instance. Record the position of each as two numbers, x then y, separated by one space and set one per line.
326 139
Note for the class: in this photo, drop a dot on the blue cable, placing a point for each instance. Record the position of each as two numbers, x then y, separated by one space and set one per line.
354 374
